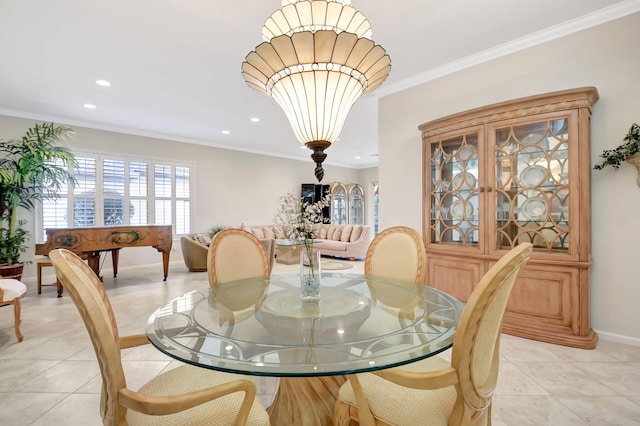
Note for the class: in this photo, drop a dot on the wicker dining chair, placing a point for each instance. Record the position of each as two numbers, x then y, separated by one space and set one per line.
185 395
235 254
397 252
434 391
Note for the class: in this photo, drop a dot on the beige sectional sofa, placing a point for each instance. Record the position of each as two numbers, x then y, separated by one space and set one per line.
350 241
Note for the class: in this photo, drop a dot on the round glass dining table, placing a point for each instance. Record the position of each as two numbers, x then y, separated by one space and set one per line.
262 327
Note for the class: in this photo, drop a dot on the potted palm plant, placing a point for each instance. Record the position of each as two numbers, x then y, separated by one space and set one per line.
31 168
628 151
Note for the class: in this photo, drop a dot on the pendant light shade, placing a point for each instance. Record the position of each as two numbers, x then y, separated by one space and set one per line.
316 61
315 16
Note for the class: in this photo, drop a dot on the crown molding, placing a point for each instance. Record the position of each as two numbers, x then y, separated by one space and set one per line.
602 16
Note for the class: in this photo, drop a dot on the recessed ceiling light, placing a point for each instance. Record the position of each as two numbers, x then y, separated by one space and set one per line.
103 83
357 157
226 132
255 119
89 106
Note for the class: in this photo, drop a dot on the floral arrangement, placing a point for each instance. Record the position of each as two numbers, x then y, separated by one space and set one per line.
301 221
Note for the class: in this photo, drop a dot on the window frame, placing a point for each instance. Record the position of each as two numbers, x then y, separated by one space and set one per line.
99 195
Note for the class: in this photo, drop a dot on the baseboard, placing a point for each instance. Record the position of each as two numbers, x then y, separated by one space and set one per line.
618 338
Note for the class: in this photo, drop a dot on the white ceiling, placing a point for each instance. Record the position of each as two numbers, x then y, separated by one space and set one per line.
175 65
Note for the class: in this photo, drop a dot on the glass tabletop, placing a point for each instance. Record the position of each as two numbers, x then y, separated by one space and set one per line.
262 327
292 243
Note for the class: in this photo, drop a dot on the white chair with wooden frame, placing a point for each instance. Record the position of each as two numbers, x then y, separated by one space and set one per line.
10 293
186 395
235 254
434 391
397 252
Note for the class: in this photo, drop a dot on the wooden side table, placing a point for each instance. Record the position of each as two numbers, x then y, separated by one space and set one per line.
43 262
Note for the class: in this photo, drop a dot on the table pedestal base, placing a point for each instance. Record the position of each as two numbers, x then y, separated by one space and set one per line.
307 401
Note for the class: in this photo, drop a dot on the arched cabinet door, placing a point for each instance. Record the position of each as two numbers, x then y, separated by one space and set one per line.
356 204
338 204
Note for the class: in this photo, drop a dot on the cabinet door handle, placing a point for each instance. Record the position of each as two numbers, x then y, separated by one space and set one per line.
482 189
488 189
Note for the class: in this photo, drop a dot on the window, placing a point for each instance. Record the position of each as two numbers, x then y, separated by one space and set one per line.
119 191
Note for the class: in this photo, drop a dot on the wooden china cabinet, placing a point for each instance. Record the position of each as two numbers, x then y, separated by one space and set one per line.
503 174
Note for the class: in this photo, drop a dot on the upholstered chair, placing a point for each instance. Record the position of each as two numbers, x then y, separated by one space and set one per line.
235 254
186 395
10 293
194 254
397 252
434 391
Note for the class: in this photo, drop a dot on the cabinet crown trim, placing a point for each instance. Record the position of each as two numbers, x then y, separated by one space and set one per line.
583 97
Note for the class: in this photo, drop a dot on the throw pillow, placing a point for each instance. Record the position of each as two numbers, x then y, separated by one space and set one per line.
279 232
268 232
346 233
330 232
257 232
356 233
323 232
337 234
200 239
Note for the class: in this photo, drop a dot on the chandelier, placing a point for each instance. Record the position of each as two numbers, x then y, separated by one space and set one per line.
316 60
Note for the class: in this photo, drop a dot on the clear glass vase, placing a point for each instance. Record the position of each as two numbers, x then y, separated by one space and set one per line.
310 274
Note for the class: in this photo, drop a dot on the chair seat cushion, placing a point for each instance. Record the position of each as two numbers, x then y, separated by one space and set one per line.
12 289
220 411
401 405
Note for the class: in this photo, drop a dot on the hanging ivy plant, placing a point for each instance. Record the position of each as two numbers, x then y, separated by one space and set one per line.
615 157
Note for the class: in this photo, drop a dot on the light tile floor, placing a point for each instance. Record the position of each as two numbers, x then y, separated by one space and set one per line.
52 378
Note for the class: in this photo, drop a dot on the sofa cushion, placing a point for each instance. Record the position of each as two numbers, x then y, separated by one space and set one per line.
346 233
331 245
268 232
330 232
356 233
258 232
337 234
323 232
279 232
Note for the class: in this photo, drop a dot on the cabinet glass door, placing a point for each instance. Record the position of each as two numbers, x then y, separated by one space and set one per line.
356 205
454 191
339 205
532 184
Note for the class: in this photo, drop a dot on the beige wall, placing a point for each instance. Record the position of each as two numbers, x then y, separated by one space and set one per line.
366 179
605 57
231 187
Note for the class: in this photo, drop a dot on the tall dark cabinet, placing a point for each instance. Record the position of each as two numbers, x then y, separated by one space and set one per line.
312 193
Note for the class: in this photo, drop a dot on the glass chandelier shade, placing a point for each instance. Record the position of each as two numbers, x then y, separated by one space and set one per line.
314 16
316 61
